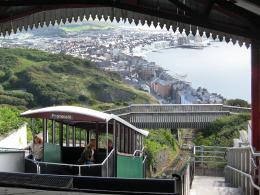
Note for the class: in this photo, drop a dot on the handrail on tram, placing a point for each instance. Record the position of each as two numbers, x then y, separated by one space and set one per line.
141 151
145 157
37 163
106 159
12 149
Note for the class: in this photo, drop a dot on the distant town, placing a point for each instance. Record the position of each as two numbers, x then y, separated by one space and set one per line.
121 49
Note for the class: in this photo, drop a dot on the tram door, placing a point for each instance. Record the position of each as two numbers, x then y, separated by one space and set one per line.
129 157
52 134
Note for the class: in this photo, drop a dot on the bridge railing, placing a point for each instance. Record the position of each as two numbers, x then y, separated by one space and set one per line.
242 169
236 109
118 111
154 120
159 108
175 107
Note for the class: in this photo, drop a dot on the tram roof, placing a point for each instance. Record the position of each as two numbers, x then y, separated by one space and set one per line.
75 114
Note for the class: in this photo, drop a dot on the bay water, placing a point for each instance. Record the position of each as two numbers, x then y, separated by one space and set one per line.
221 68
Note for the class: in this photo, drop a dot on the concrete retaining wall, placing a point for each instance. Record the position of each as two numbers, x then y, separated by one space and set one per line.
18 139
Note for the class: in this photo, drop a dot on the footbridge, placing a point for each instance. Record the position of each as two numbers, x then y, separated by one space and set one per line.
173 116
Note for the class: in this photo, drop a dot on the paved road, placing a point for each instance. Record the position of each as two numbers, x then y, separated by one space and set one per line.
204 185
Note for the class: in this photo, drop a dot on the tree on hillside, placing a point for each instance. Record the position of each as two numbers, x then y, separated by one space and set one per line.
238 102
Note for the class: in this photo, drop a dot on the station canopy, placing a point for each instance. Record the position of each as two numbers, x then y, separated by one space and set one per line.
78 116
229 20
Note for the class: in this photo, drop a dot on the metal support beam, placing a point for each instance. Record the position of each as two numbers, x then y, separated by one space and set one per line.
67 136
97 128
115 132
80 137
45 131
73 136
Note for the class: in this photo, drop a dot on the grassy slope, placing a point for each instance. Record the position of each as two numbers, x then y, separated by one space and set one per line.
31 78
160 142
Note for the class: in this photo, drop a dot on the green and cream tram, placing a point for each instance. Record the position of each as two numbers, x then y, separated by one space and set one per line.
66 130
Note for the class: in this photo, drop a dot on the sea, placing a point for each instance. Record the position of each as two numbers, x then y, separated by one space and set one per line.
220 68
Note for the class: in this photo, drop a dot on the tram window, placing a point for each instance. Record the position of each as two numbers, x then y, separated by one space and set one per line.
53 132
138 142
79 137
52 135
73 139
67 135
102 140
132 142
45 130
142 141
63 132
129 141
92 134
57 130
126 140
76 137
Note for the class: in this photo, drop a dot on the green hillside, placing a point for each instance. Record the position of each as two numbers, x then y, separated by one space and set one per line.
222 131
31 78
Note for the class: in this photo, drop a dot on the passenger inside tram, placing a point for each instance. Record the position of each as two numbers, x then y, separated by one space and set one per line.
110 145
36 148
88 154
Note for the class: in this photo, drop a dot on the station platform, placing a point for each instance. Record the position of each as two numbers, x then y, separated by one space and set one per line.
205 185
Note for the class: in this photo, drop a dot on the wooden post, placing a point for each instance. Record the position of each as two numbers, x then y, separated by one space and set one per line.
97 128
73 136
67 136
87 138
255 84
44 131
80 137
255 88
61 134
129 140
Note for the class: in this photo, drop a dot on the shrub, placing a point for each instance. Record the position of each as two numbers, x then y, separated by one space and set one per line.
157 141
223 130
9 119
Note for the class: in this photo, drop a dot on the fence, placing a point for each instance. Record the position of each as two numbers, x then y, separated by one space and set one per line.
209 160
242 169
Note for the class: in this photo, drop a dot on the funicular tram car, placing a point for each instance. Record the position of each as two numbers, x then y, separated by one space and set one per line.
68 129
